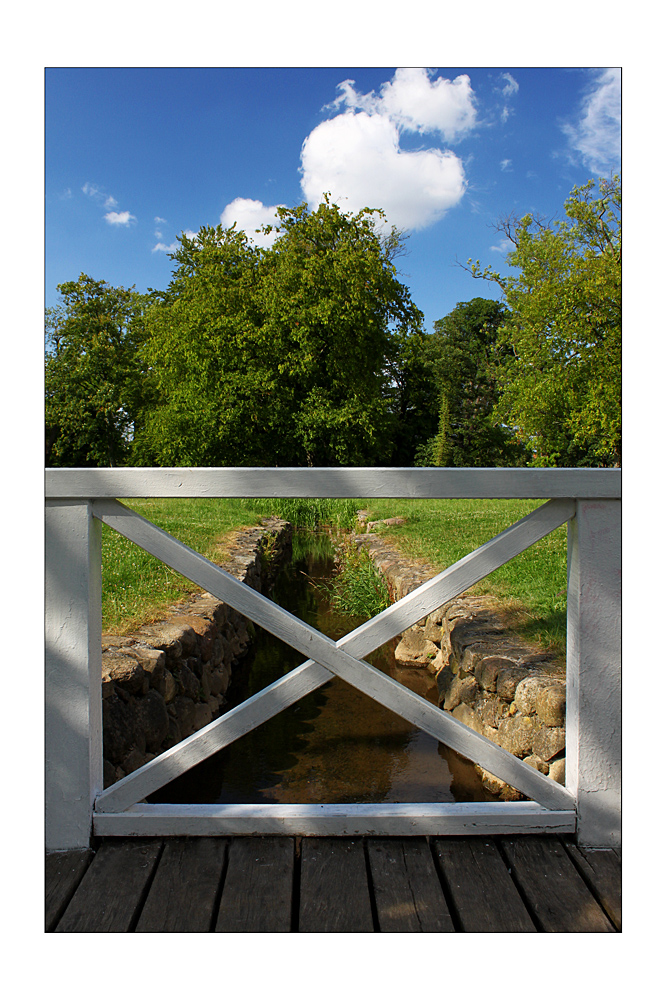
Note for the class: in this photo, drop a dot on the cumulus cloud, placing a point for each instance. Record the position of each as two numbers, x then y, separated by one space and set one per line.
416 102
120 218
596 133
249 216
505 164
357 158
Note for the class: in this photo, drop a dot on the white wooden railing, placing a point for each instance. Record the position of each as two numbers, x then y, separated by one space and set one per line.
78 501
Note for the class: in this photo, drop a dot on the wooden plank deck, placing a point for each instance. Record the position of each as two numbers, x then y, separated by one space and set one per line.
515 884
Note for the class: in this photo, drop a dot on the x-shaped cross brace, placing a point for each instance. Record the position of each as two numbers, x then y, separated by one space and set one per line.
327 657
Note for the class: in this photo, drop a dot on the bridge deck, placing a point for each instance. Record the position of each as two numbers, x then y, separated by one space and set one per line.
328 884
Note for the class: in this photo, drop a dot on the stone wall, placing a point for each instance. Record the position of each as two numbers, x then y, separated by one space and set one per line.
168 679
488 678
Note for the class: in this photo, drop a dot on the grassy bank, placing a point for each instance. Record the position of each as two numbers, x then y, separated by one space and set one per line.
136 587
442 531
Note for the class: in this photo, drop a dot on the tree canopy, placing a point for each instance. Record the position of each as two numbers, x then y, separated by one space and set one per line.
465 356
277 356
562 389
92 383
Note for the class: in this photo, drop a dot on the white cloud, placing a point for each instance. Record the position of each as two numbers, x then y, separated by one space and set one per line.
108 201
249 216
504 246
158 220
172 247
417 103
505 164
596 135
510 86
120 218
357 158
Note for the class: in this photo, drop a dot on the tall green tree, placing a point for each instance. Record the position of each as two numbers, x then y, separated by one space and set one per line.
562 390
465 355
278 356
92 382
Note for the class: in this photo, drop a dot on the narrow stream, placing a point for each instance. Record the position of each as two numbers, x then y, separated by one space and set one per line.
336 744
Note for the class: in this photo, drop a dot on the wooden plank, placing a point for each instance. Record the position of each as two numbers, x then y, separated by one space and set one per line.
555 893
483 893
257 894
593 732
397 819
334 891
184 892
63 872
407 892
111 893
333 656
601 869
73 674
336 482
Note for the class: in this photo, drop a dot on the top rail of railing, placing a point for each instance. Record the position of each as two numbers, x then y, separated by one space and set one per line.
434 483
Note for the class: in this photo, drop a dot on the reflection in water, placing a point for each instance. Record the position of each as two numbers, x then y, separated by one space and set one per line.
336 744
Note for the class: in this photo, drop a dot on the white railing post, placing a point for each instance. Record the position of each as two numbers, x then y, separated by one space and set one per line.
593 722
73 720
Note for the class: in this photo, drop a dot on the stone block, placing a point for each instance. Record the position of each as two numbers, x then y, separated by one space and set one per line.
465 714
487 669
499 788
184 713
203 715
153 719
125 670
415 650
557 770
507 680
121 731
549 741
535 761
188 682
463 690
516 734
550 704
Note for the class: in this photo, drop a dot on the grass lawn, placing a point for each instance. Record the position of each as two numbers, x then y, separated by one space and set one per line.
442 531
137 587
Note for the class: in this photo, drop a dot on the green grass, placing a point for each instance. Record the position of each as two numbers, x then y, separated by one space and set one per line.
358 589
309 513
136 587
533 583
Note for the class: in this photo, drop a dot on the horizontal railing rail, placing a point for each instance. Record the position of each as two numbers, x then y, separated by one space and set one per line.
537 484
79 500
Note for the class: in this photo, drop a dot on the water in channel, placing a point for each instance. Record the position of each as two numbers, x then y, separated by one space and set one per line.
336 744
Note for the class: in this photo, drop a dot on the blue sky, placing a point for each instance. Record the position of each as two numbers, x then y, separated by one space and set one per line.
134 157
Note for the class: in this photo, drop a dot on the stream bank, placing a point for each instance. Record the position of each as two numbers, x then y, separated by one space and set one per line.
168 679
491 680
336 744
